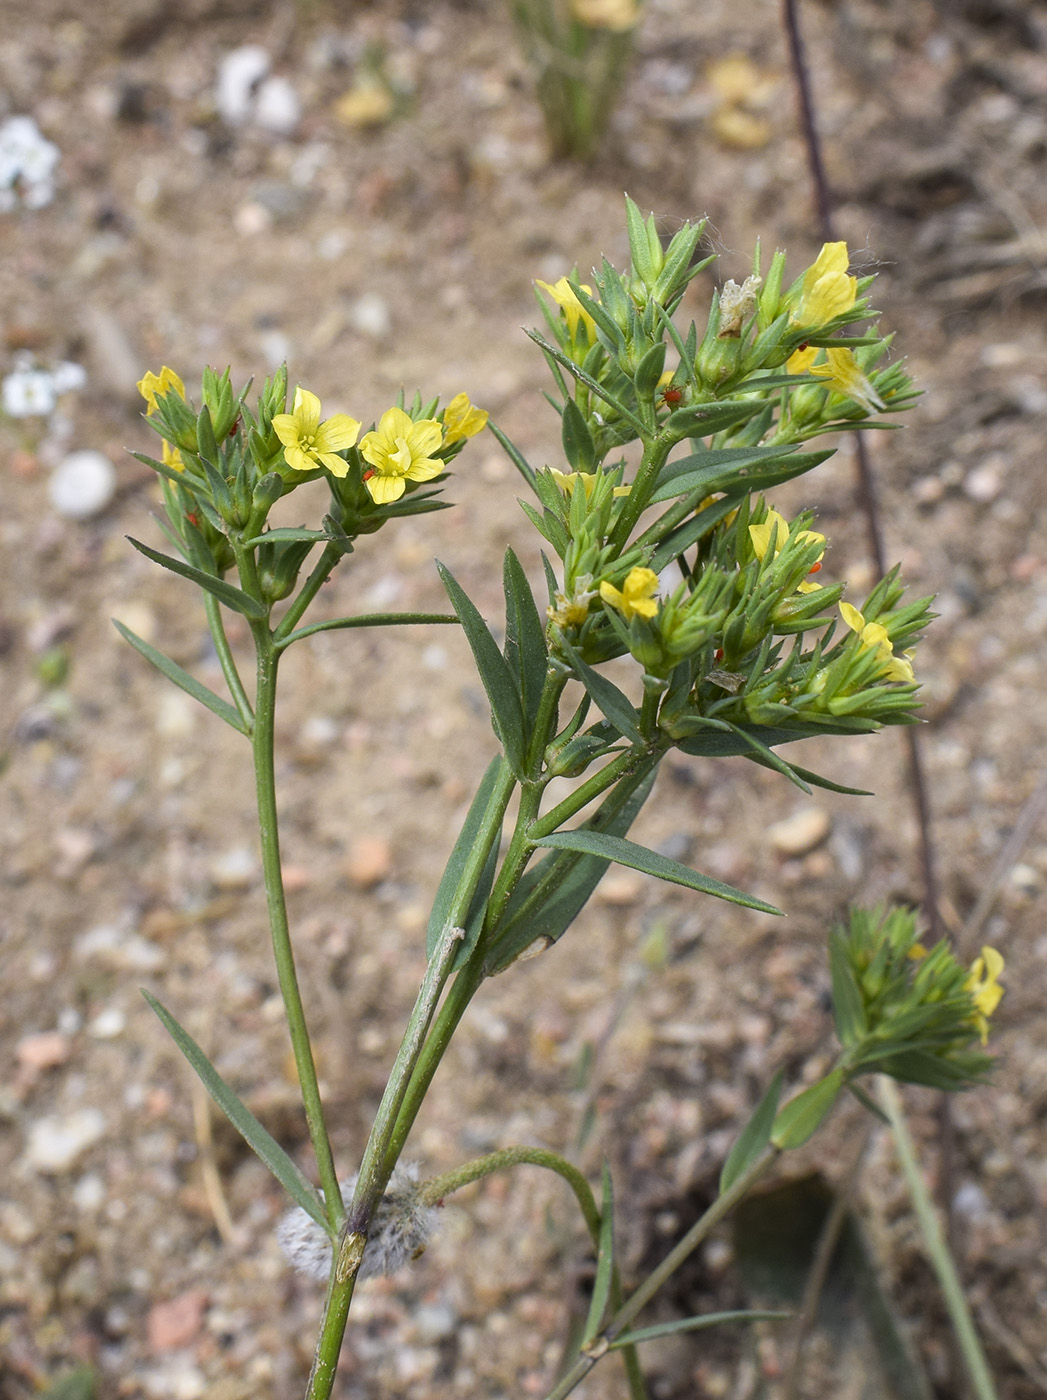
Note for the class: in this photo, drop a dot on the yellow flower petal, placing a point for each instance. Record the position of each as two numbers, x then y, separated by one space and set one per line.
151 385
462 419
569 304
845 377
307 442
637 595
397 451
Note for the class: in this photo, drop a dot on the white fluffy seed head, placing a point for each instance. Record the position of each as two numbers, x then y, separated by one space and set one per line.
400 1230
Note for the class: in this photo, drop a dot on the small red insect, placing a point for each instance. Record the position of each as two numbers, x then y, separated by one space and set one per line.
672 395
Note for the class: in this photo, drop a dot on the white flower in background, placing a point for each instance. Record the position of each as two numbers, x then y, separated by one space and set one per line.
31 392
27 165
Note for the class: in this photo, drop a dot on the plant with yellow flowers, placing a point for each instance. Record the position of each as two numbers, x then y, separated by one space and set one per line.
578 52
660 548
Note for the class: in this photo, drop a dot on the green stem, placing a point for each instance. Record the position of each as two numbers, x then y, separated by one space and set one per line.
941 1259
433 1192
308 591
606 778
655 454
655 1280
374 1173
225 658
262 741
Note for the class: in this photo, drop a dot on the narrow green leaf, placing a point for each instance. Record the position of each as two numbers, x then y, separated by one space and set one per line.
159 467
183 679
695 1324
338 624
286 1171
590 383
802 1115
553 893
749 471
767 758
604 1263
514 454
613 703
816 780
288 535
704 419
754 1137
578 445
443 911
848 1007
688 535
234 598
712 743
867 1102
639 244
506 714
650 863
526 653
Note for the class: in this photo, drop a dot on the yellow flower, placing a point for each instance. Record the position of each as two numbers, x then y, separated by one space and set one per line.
984 987
778 526
462 420
827 291
398 451
569 304
616 15
844 376
874 635
308 443
159 384
637 595
567 481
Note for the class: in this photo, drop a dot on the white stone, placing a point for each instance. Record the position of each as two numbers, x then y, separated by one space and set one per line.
276 107
56 1142
801 832
108 1024
370 316
239 75
82 484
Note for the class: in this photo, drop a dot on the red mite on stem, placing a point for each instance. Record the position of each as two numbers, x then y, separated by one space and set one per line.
671 395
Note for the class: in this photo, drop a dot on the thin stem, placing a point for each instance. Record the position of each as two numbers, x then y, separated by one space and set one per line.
308 591
265 787
655 455
942 1261
374 1175
589 790
225 657
654 1281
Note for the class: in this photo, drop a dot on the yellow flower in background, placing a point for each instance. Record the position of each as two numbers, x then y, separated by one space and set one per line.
616 15
159 385
984 987
151 386
308 443
778 526
874 635
398 451
462 420
637 596
567 481
569 304
845 377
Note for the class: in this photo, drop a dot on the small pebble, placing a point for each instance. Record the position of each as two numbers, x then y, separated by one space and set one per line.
276 106
238 78
82 484
56 1142
177 1322
370 315
44 1050
984 483
235 869
89 1193
108 1024
370 861
801 832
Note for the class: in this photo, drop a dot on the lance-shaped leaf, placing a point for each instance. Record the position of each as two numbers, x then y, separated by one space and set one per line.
803 1114
614 703
183 679
590 383
506 712
753 468
339 624
514 454
553 893
650 863
526 653
715 743
604 1264
578 445
234 598
259 1139
445 914
288 535
754 1138
852 1024
704 419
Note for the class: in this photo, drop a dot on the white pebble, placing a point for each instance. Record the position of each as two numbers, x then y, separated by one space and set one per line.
82 484
277 108
370 316
108 1024
89 1193
800 833
56 1142
239 75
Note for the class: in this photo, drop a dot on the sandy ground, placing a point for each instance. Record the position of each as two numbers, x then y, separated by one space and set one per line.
405 256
